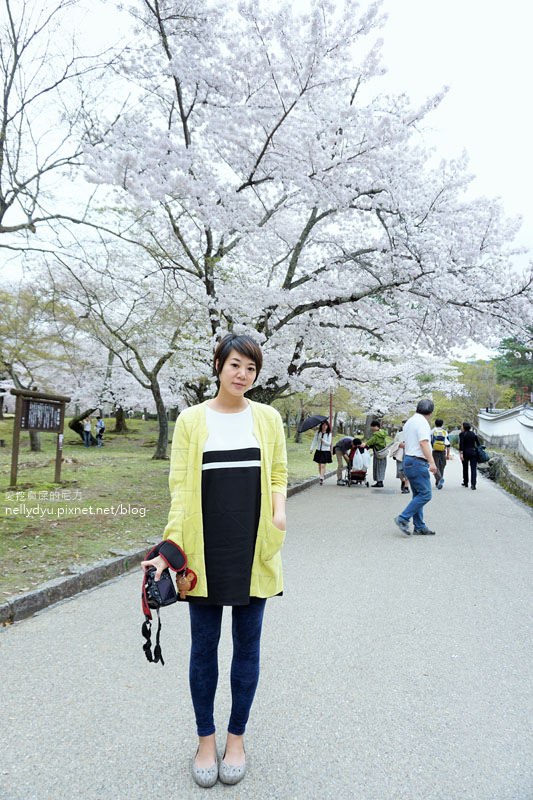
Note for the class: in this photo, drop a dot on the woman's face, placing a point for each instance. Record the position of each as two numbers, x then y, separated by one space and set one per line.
237 375
324 427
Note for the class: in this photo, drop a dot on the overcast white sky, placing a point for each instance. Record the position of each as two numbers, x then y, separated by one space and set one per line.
482 50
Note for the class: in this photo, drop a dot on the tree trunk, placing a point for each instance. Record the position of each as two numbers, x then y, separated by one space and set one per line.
120 421
264 394
1 406
162 440
299 418
75 424
368 420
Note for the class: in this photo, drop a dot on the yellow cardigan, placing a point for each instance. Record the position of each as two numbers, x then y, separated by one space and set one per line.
185 527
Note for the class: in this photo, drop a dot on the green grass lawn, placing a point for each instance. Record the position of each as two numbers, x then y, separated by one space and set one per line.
110 500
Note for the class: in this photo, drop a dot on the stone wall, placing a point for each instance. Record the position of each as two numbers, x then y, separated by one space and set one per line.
500 471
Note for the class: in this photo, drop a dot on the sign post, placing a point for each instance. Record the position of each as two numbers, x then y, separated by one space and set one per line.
35 411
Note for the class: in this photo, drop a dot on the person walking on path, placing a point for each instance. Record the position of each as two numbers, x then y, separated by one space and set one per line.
418 463
377 442
441 451
397 453
342 449
468 441
87 431
321 444
228 483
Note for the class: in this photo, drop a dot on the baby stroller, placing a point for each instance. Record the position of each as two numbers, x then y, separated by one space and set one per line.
358 466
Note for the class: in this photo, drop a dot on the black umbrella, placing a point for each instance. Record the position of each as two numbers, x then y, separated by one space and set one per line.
311 422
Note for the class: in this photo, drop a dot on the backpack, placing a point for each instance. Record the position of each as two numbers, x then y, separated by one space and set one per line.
438 440
481 454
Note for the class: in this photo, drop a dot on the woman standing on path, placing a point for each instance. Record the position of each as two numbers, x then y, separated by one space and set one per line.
377 442
468 442
228 479
321 444
87 431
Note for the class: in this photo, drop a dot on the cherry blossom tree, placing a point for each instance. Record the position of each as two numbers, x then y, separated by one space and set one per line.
34 349
45 83
44 346
263 170
137 325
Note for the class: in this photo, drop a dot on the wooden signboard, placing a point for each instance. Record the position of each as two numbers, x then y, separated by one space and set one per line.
35 411
40 415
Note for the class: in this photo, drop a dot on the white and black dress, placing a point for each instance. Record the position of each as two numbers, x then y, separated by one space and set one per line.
231 505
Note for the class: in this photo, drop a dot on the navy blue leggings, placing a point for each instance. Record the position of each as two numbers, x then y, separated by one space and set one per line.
206 622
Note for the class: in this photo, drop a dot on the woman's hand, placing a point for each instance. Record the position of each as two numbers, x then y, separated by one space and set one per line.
158 562
279 521
279 516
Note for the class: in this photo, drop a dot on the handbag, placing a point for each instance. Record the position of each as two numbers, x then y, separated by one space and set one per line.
481 454
382 453
396 452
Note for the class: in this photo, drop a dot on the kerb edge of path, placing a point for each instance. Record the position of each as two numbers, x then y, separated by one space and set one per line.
25 604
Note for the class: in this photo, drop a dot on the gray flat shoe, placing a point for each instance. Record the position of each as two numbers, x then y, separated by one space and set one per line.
206 777
229 774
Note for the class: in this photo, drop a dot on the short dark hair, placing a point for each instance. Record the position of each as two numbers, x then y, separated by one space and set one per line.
356 442
439 423
466 426
425 407
244 345
375 423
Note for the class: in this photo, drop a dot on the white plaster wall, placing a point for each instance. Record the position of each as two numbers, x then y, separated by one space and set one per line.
525 447
500 425
511 429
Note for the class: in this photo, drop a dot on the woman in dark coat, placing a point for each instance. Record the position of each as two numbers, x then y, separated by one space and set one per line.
468 442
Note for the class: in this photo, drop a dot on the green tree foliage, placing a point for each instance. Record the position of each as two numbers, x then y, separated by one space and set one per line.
478 388
514 365
27 340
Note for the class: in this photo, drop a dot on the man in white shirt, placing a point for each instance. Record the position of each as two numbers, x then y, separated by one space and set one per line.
418 462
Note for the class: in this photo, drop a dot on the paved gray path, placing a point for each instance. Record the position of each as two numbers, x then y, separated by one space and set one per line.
393 668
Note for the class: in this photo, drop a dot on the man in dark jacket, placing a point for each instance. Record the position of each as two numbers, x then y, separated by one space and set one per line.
468 442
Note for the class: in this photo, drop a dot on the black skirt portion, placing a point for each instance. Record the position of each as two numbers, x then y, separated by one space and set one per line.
231 505
322 457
